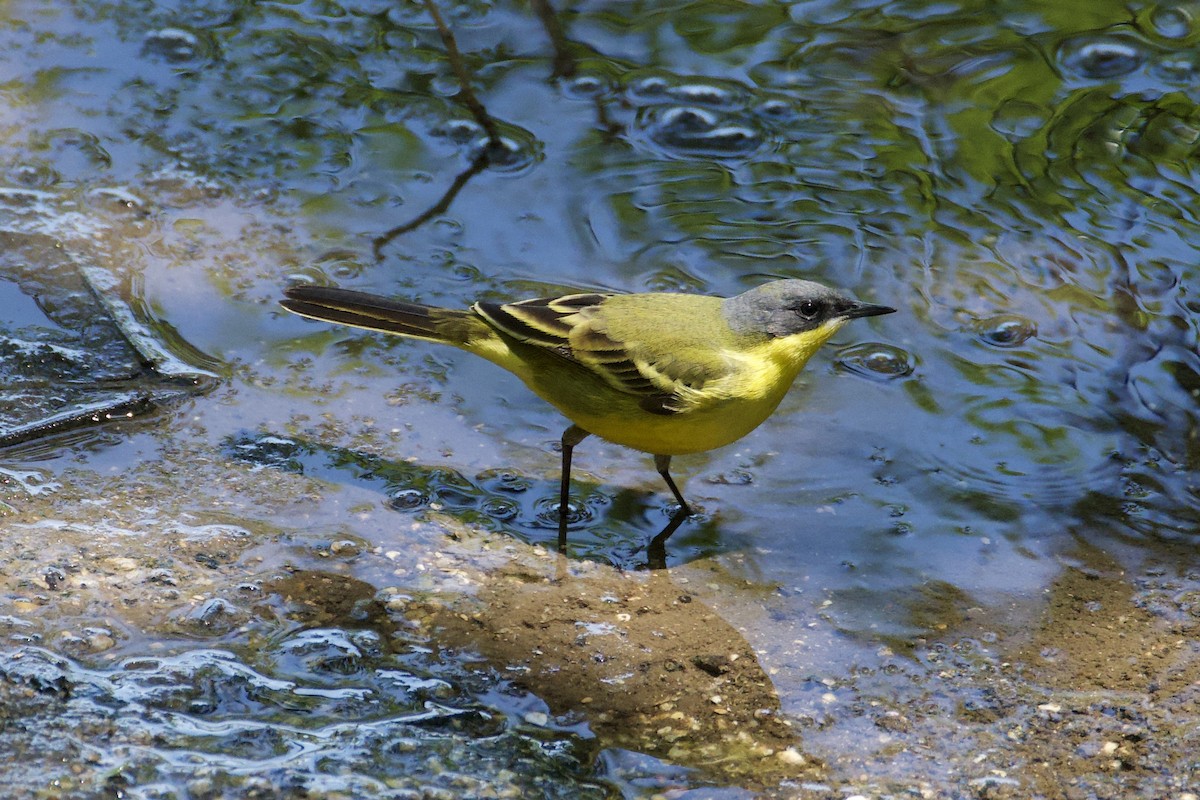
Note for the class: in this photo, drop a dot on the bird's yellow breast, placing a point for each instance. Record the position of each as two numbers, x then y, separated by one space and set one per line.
723 412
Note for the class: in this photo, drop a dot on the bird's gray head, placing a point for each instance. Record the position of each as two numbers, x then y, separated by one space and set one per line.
783 308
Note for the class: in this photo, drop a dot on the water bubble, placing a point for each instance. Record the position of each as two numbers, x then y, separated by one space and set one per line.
467 273
687 120
459 131
503 480
875 360
501 509
777 110
649 89
585 86
546 512
1106 57
689 131
702 94
1173 23
508 154
342 264
655 89
1005 330
407 500
1181 67
345 548
173 44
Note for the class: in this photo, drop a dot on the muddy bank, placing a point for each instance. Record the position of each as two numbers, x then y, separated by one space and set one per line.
1090 692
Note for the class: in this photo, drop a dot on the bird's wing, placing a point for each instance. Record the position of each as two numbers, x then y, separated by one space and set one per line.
574 327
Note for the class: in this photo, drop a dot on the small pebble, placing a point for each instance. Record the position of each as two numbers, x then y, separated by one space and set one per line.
792 756
100 642
344 547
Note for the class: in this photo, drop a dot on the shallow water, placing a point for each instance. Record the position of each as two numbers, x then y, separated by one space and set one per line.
928 506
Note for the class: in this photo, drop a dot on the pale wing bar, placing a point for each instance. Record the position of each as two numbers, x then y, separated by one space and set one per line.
565 326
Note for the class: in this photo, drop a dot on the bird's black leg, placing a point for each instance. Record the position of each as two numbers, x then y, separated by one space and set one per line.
571 437
656 551
663 465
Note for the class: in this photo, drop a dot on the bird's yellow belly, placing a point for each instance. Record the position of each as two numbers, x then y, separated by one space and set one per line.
599 409
678 434
621 421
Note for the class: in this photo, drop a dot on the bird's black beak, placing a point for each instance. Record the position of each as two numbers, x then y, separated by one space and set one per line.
866 310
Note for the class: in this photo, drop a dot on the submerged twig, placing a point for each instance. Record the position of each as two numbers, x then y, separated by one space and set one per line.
493 145
478 165
564 59
566 64
464 78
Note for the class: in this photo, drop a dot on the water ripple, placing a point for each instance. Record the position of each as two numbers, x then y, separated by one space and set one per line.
692 132
696 118
875 360
175 45
1173 22
1100 57
1005 330
203 722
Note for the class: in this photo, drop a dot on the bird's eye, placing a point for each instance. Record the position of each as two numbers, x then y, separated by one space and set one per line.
809 309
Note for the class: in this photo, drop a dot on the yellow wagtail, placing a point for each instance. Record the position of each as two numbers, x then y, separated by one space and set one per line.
666 374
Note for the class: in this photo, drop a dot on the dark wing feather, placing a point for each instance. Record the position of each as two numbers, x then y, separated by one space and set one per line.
571 327
546 322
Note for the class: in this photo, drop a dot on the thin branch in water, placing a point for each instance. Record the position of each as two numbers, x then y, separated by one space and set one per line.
464 78
494 143
478 165
564 60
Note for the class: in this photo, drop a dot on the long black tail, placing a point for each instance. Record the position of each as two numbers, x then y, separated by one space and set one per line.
373 312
